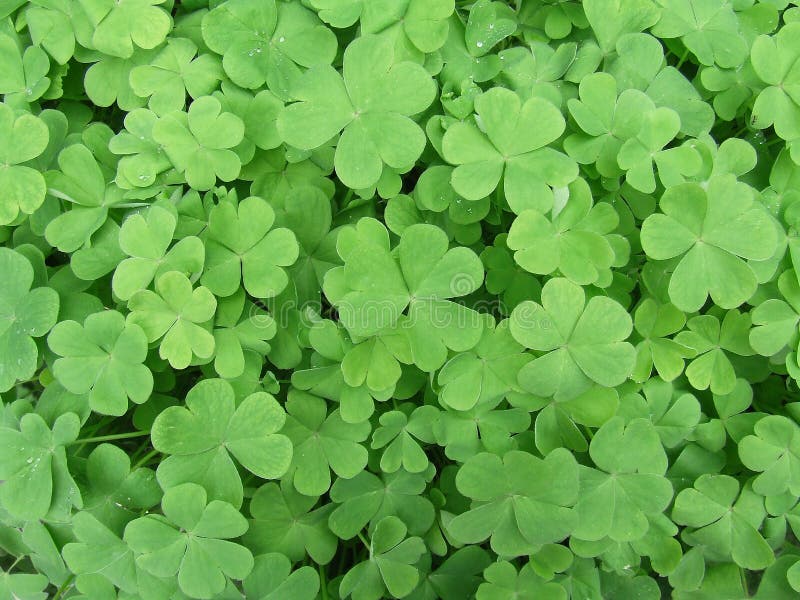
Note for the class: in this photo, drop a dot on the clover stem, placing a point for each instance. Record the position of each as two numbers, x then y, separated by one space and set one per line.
588 431
145 459
64 587
323 584
109 438
743 577
683 58
363 541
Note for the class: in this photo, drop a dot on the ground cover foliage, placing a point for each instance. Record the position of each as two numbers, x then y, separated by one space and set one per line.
365 299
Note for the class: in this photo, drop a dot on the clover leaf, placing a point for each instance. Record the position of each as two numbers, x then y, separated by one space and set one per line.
583 341
175 71
267 42
198 142
284 522
241 239
146 239
175 314
272 578
574 241
390 565
512 143
104 357
398 434
775 320
503 581
712 229
191 541
773 59
33 466
24 75
370 104
23 188
25 314
322 443
774 451
617 500
121 27
723 521
202 437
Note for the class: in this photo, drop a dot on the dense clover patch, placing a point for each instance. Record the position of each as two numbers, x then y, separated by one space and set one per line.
424 299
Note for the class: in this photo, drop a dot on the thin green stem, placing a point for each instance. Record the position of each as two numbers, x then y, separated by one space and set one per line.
323 584
363 541
145 459
64 587
110 438
683 59
743 577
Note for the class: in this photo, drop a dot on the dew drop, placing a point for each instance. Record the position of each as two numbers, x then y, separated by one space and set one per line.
479 44
491 25
28 91
142 177
282 39
29 461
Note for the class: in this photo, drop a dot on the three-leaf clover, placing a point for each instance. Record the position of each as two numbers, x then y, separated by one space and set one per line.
199 142
723 521
177 314
242 247
519 500
202 437
509 140
272 578
654 322
25 314
103 357
322 443
712 228
371 105
267 41
774 452
122 26
146 239
22 188
33 467
774 60
583 341
191 540
390 566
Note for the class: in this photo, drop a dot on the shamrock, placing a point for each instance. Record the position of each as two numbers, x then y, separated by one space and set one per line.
504 276
773 60
712 229
23 585
370 105
97 550
267 42
367 498
201 437
390 564
146 239
513 505
709 340
774 451
24 75
143 159
372 290
284 522
502 581
583 341
239 327
272 578
605 120
457 577
175 314
191 541
114 492
108 80
675 414
485 373
775 320
198 142
51 28
33 467
489 24
723 521
574 241
24 314
121 26
484 427
23 188
81 182
398 434
175 71
709 30
617 500
243 247
654 322
322 443
514 147
103 357
612 19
